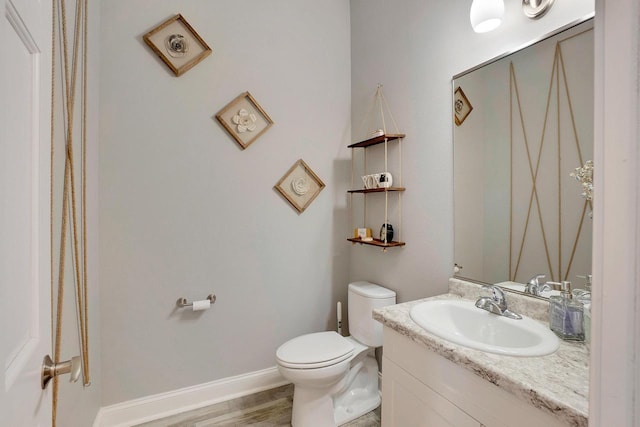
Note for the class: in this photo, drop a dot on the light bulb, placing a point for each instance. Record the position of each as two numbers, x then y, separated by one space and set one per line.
486 15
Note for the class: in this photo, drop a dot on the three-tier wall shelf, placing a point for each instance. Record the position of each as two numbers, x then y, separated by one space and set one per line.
390 141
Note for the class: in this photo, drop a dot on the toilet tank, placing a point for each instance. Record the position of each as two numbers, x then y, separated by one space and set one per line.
364 297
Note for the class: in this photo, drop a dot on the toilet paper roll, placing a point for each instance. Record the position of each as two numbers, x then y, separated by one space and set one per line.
201 305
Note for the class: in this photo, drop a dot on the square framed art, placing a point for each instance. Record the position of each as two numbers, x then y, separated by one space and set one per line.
461 106
177 44
244 119
300 185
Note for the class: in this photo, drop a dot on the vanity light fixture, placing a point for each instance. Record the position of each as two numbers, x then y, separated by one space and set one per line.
486 15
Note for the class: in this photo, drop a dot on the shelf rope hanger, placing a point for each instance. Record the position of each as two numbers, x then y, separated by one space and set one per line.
368 129
380 104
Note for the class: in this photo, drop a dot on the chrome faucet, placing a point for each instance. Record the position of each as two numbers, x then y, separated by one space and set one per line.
534 287
496 303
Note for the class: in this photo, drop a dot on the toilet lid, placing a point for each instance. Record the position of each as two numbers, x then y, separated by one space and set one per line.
314 350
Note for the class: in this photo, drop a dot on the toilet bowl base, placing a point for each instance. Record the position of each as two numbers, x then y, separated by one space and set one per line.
361 396
312 407
317 409
355 395
345 414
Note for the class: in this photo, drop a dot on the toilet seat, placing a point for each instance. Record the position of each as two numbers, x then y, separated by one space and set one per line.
312 351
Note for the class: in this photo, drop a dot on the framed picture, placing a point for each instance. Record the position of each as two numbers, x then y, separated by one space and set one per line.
244 119
461 106
300 185
177 44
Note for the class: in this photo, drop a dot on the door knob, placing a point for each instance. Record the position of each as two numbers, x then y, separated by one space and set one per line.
50 369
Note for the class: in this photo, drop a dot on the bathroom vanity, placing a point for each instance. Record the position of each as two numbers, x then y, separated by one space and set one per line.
429 381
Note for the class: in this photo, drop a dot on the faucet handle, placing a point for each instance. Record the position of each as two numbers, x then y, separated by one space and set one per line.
544 287
535 279
496 294
556 286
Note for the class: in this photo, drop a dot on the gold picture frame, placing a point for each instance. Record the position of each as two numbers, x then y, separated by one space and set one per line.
177 44
244 119
300 186
461 106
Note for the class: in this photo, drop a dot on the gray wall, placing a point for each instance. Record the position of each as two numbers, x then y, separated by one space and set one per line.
186 212
414 47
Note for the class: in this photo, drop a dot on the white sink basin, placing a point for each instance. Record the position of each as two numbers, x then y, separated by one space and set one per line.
461 322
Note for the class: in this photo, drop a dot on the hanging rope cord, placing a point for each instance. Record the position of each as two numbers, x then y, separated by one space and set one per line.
69 199
381 102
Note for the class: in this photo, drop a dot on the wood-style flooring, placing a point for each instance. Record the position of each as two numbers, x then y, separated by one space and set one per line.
270 408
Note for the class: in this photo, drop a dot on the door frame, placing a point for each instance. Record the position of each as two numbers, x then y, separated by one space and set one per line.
615 347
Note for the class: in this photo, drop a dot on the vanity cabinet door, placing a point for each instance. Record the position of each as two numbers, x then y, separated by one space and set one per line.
408 402
422 388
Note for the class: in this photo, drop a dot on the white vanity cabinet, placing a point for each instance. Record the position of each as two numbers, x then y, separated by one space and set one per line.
423 389
408 402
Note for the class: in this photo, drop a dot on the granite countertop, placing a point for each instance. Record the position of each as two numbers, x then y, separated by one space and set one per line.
557 383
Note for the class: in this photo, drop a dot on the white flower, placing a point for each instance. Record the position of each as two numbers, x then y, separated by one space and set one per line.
300 186
246 121
177 45
584 175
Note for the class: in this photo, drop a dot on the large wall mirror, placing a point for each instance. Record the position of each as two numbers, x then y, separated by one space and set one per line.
524 123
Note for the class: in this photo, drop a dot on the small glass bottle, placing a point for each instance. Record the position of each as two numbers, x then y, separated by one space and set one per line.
566 315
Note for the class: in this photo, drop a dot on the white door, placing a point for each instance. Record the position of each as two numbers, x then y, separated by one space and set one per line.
25 307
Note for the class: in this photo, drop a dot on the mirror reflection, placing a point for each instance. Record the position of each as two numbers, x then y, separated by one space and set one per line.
523 125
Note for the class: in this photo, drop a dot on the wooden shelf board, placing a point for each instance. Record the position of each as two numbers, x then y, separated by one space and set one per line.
376 190
376 242
377 140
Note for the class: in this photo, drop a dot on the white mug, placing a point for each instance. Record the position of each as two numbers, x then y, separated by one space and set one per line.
368 181
376 180
385 180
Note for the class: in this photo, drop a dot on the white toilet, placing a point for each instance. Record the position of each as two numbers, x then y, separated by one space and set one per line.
335 378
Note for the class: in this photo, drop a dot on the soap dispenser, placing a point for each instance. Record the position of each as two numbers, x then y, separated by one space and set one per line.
566 314
584 296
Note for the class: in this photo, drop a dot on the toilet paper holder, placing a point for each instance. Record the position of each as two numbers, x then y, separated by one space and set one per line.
182 302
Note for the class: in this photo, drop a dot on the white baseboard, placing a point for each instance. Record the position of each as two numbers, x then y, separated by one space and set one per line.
162 405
